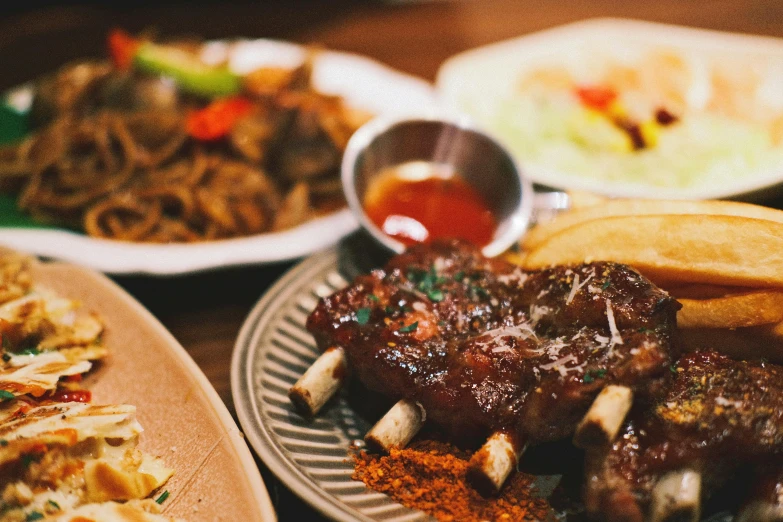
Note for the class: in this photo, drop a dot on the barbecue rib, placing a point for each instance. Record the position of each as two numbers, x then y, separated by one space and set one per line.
484 346
715 415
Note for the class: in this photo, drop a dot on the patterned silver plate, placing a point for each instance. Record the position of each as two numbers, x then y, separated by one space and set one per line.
273 350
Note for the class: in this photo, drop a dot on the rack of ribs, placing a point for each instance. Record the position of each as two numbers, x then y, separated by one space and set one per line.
483 349
714 416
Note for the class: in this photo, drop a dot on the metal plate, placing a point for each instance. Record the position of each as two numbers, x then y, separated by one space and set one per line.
272 352
312 457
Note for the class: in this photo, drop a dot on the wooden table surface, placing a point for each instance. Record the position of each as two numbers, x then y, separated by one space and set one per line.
205 312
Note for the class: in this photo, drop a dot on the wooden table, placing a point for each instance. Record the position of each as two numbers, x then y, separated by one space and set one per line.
206 311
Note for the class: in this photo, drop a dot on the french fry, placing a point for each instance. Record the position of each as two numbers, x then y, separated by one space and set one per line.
710 249
738 310
754 342
631 207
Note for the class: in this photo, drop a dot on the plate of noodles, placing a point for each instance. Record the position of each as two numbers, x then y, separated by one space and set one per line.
182 156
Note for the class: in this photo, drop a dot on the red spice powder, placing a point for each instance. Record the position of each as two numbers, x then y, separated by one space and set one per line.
430 476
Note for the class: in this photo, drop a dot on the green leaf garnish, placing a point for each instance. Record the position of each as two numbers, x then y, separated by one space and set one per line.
33 515
673 368
435 295
29 351
362 315
606 284
53 504
3 443
410 328
373 297
6 395
163 496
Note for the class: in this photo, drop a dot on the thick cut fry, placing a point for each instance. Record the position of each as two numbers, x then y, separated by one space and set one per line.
732 311
754 342
639 207
720 250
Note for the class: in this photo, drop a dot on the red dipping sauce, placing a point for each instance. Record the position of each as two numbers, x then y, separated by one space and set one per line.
419 202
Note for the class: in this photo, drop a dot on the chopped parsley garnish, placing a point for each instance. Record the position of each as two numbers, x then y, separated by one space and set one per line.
3 443
435 295
163 496
373 297
592 375
425 281
6 395
29 351
606 284
478 291
459 276
673 368
33 515
410 328
389 310
53 504
29 458
644 330
6 357
362 315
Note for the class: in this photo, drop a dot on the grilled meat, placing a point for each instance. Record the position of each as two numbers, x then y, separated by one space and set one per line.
483 345
715 415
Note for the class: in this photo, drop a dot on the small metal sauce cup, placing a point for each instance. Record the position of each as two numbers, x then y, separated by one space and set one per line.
469 153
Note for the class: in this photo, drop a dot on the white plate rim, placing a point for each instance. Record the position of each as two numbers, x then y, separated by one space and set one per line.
448 79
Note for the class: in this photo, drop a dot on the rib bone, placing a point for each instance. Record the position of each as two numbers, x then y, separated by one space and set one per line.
600 425
396 429
319 382
677 496
493 463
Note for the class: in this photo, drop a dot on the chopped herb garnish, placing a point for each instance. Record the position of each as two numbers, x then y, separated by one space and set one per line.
29 458
606 284
362 315
591 375
29 351
410 328
33 515
478 291
53 504
373 297
459 276
673 368
163 496
3 443
389 310
644 330
6 395
435 295
6 357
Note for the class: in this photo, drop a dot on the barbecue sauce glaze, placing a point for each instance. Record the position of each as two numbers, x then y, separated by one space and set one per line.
419 202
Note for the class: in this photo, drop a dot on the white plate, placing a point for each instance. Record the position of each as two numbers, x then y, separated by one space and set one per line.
474 80
364 83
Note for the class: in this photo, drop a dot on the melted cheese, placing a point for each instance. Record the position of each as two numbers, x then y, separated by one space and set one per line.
36 374
88 421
